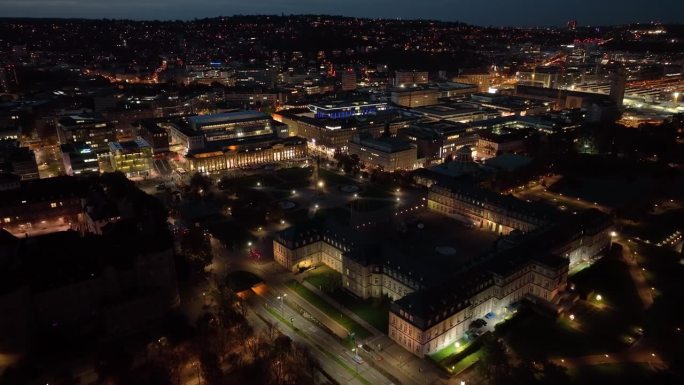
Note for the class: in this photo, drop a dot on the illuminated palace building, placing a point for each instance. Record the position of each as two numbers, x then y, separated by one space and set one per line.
234 139
487 209
436 294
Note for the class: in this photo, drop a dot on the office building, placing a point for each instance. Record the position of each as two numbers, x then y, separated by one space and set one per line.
491 143
79 158
18 160
545 77
89 128
410 78
428 95
329 136
348 80
618 83
436 140
342 109
229 140
388 154
39 203
155 135
133 158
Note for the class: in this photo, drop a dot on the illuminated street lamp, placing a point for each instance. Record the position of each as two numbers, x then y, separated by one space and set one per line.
613 234
294 192
281 298
249 244
599 297
320 184
572 317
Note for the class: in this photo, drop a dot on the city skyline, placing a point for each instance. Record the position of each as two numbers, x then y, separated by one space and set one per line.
507 13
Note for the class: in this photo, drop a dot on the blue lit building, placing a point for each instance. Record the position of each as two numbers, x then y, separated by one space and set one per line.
345 109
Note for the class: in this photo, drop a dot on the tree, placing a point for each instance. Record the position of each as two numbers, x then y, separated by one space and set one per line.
553 374
494 362
196 246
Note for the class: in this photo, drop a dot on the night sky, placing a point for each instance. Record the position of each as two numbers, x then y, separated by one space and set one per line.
482 12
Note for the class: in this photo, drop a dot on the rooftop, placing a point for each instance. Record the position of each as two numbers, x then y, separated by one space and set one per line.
389 145
227 117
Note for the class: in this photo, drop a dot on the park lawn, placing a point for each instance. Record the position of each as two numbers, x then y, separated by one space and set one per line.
374 311
324 306
332 178
324 278
297 216
295 178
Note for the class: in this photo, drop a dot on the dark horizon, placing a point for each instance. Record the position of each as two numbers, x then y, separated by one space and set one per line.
523 13
187 20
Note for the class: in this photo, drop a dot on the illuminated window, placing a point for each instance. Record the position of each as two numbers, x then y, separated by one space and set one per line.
8 220
53 205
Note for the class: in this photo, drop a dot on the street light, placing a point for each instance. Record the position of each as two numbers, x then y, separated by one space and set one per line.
249 244
320 184
599 297
613 234
281 298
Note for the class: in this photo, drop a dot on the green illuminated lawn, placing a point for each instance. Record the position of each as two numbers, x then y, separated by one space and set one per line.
465 363
449 351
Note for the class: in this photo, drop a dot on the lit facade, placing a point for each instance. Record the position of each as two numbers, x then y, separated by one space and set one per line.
485 209
428 314
91 129
79 158
132 157
389 154
244 155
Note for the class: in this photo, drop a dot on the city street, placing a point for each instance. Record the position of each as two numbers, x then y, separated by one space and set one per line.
404 366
